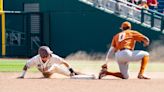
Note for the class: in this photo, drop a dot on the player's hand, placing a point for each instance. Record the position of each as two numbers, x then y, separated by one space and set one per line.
146 44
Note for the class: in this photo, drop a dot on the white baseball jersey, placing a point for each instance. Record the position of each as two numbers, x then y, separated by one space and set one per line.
37 62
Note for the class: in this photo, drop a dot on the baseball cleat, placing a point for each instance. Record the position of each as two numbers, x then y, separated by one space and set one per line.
142 77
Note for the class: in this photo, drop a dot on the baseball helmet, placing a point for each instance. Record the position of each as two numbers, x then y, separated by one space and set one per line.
44 51
125 25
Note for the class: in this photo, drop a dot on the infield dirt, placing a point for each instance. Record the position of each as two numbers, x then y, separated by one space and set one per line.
34 82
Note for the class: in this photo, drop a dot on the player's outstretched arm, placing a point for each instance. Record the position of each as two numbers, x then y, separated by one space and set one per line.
69 68
72 71
23 72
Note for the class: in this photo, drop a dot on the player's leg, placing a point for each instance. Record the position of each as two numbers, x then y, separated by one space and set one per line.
124 66
122 60
104 72
65 71
116 74
144 62
122 57
144 57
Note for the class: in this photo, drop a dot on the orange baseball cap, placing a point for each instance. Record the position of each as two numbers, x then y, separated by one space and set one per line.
125 24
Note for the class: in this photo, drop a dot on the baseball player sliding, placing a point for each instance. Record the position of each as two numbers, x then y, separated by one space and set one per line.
122 46
49 63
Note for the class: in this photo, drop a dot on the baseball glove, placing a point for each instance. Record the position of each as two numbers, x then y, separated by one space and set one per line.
104 67
103 71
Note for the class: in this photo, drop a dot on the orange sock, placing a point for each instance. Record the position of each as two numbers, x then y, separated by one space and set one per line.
116 74
144 62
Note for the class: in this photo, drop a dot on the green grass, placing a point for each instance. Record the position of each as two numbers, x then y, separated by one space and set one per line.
17 65
13 65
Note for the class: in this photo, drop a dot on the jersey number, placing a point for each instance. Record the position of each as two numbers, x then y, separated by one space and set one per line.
121 37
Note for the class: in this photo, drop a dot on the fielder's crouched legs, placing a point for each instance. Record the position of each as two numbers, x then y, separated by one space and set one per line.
104 72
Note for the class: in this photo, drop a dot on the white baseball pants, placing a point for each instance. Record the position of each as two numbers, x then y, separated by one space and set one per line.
123 57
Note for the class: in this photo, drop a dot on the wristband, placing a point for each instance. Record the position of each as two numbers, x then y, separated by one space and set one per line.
71 70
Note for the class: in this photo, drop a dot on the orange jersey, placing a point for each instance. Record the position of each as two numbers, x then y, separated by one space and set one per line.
127 39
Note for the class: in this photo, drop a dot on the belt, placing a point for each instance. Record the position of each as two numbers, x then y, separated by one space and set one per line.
124 49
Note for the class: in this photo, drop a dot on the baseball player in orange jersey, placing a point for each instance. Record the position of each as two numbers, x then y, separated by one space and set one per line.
122 46
49 63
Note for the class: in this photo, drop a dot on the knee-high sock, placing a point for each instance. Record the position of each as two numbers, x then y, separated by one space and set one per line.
116 74
144 62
